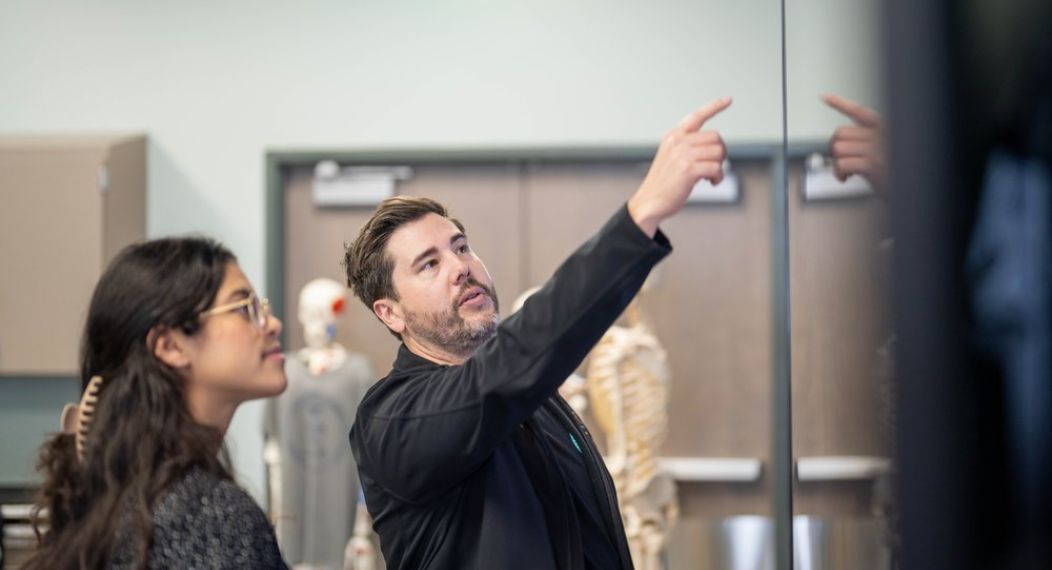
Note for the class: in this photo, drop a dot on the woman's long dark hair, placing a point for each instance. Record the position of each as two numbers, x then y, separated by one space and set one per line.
142 438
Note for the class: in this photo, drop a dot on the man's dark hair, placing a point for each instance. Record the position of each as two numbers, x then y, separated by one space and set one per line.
368 266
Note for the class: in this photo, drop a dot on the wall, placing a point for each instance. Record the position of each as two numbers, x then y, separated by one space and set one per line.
216 84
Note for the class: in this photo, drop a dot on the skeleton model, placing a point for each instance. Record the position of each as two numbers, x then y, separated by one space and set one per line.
360 553
627 382
321 305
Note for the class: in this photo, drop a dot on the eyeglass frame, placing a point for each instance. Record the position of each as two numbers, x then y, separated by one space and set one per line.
252 301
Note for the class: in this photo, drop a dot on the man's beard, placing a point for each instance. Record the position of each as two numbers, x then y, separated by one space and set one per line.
451 332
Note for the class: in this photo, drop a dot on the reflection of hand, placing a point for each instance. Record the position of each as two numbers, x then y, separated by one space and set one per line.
858 148
685 156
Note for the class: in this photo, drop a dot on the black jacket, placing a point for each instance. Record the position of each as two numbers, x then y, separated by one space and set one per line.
453 473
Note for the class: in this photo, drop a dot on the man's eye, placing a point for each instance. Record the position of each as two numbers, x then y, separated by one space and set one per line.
430 264
463 248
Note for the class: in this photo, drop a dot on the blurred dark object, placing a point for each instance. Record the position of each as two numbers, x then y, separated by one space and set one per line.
970 144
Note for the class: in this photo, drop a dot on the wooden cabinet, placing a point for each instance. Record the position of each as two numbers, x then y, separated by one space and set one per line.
67 206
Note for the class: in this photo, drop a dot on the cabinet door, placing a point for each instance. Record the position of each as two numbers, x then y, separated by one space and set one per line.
51 244
69 205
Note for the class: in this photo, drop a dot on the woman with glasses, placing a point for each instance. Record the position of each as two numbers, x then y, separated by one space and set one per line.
175 340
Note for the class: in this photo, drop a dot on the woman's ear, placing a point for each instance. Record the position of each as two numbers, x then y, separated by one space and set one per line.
170 346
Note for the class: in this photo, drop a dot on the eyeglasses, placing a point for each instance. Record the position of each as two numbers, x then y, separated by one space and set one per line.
253 308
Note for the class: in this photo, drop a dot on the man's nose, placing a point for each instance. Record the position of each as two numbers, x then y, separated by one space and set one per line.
461 271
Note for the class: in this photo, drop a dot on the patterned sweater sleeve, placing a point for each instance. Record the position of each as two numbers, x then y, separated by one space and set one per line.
215 525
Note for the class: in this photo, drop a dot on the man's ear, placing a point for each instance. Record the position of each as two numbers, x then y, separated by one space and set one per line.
170 346
390 313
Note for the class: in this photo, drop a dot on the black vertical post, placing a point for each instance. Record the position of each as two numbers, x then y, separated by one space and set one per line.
781 417
781 413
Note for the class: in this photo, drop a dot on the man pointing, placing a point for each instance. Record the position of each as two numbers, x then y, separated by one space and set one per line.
468 456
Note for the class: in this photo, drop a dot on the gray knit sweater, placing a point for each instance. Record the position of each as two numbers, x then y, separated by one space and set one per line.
206 522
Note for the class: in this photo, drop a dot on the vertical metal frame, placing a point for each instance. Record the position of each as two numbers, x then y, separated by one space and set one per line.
781 401
782 414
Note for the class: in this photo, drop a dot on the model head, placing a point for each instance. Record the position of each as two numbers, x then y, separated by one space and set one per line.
321 302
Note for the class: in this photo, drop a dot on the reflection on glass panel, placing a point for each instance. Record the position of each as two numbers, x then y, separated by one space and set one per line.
839 262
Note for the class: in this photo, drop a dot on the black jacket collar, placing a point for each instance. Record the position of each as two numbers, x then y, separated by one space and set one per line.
408 360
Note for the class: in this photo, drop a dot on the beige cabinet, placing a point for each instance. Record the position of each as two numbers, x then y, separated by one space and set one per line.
67 206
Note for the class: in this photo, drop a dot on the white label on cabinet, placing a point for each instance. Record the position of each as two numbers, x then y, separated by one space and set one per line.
104 178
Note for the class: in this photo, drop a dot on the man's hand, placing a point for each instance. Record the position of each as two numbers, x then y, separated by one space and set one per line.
858 148
685 156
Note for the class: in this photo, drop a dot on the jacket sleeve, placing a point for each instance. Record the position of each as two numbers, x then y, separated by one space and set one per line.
438 429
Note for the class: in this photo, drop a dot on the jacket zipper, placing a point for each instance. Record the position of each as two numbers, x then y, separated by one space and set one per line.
573 422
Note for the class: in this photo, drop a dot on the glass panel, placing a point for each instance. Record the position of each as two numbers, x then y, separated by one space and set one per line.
841 342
